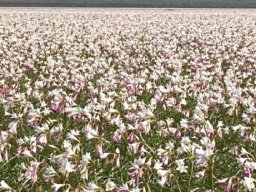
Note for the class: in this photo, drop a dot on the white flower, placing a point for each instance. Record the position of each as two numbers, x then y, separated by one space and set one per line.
243 151
110 185
241 160
85 159
135 190
249 183
208 127
158 165
56 186
13 127
162 173
49 173
91 133
169 146
181 167
91 187
4 186
104 155
184 123
69 167
251 165
72 135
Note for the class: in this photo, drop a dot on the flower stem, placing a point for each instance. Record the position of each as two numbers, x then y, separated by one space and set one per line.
191 174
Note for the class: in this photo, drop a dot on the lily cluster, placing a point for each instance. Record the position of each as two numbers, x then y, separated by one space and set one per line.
127 100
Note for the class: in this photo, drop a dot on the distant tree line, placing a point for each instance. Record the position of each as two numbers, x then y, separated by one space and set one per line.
132 3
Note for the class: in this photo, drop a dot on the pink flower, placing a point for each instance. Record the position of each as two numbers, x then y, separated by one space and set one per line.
136 175
5 90
131 138
77 117
123 188
33 122
247 171
116 136
134 147
165 159
175 132
26 68
55 106
31 173
99 150
200 174
132 89
74 85
164 54
158 95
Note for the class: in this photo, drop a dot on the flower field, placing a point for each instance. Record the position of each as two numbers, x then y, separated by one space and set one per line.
127 100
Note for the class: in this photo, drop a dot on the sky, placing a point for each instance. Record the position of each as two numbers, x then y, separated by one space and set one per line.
134 3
